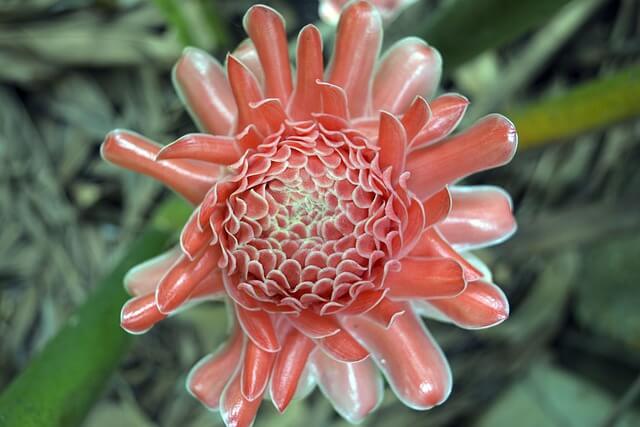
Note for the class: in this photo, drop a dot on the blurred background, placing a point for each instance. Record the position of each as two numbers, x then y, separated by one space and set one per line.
567 73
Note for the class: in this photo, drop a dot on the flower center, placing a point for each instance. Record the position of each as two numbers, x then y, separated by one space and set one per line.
312 221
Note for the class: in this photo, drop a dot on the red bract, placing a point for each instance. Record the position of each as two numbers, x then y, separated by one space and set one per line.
324 214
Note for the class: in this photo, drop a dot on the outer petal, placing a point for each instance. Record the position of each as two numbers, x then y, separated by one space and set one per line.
132 151
408 356
289 367
447 111
258 326
480 216
144 278
265 26
201 146
208 377
247 54
426 278
354 389
236 410
203 87
256 370
356 48
306 96
480 306
490 143
410 68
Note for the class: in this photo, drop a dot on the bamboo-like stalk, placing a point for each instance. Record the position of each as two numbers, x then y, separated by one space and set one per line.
589 106
61 383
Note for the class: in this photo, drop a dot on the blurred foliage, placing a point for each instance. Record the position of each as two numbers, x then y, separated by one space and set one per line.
74 69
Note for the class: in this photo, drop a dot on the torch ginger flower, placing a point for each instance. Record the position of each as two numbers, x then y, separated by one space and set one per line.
324 215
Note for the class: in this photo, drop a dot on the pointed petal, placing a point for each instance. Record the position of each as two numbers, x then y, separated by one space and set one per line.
139 314
245 91
201 146
249 138
306 95
343 347
392 142
314 325
480 216
334 100
131 151
426 278
416 117
408 356
446 112
247 54
265 26
193 238
202 84
437 207
354 389
415 226
289 367
255 370
490 143
357 44
432 245
235 409
386 312
183 277
208 377
144 278
410 68
481 305
259 328
271 111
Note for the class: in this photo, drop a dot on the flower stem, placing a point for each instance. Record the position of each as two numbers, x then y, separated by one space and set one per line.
59 385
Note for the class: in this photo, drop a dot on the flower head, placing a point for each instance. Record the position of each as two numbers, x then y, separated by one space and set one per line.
324 214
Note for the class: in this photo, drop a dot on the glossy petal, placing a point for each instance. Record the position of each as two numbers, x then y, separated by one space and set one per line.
425 381
343 347
446 112
289 368
480 306
306 96
265 26
201 146
358 40
210 375
354 389
258 326
256 370
480 216
392 141
131 151
493 141
183 277
144 278
410 68
203 87
247 54
426 278
236 410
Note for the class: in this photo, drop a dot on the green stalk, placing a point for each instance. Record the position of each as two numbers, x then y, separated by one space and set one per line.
172 11
588 106
461 29
61 383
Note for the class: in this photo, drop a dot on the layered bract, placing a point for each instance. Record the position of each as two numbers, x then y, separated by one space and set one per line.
325 216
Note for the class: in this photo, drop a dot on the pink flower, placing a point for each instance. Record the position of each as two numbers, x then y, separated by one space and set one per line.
324 214
389 9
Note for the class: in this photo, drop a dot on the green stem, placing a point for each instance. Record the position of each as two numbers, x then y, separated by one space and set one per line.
588 106
461 29
60 384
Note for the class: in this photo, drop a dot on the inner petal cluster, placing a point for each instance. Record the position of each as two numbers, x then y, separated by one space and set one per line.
312 220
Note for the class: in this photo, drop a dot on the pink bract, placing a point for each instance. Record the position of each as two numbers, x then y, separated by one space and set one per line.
324 215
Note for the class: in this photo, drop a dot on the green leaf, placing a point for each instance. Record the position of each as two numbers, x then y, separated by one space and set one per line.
58 387
592 105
